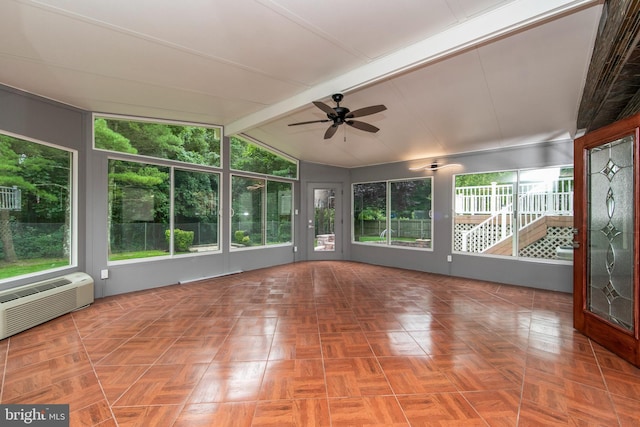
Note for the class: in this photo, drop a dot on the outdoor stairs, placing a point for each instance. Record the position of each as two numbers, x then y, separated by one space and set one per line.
529 234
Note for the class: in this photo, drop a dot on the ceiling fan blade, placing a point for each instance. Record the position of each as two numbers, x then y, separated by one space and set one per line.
331 131
366 111
306 123
362 126
324 107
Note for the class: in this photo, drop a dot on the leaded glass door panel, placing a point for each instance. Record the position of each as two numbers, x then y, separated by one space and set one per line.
606 259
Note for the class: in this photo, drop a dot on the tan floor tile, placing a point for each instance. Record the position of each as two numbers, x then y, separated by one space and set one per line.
440 409
237 414
340 345
293 379
497 408
355 377
243 348
229 382
367 411
295 346
163 385
146 415
292 413
138 351
394 343
323 344
415 375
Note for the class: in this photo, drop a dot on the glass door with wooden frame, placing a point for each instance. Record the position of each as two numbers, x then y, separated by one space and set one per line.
606 306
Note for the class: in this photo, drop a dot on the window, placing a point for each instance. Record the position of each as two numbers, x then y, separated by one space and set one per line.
195 211
410 214
396 213
261 207
246 216
36 216
261 212
162 208
138 210
140 203
370 212
524 213
249 156
279 206
198 145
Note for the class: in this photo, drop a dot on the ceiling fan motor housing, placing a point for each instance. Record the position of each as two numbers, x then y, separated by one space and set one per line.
340 114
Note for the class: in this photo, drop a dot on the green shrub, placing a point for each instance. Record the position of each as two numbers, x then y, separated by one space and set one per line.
38 242
182 240
371 213
284 232
242 237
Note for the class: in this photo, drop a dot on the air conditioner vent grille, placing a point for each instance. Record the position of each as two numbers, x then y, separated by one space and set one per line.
26 306
26 292
42 288
24 316
34 290
9 297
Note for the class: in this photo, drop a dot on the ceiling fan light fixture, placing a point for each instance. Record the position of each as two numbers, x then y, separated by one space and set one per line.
434 166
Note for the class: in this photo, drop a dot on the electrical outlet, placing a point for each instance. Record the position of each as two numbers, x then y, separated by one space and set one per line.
104 274
449 258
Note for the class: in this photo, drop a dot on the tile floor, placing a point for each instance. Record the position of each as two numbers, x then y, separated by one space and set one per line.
327 344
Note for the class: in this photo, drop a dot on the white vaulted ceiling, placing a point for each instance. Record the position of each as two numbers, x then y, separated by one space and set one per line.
456 75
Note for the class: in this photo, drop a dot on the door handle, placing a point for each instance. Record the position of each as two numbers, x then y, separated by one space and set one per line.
575 245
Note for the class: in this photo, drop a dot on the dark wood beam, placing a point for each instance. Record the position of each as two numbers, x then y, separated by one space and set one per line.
613 79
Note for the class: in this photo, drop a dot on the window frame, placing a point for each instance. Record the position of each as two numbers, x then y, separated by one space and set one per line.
388 210
217 214
148 158
263 213
514 212
271 150
73 209
172 165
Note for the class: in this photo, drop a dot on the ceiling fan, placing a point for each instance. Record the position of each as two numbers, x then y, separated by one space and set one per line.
339 115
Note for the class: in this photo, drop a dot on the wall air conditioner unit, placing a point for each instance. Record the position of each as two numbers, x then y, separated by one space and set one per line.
26 306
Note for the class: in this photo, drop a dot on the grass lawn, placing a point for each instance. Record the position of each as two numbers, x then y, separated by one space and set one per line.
30 266
27 266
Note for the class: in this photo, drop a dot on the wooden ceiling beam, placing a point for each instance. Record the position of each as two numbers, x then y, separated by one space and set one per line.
613 79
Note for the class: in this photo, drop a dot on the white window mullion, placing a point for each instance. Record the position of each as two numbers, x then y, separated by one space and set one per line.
264 213
171 210
388 215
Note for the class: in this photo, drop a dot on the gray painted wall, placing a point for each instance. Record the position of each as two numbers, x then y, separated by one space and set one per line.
45 120
33 117
36 118
553 275
313 173
126 277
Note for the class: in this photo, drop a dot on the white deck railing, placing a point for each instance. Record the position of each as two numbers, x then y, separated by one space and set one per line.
534 201
10 198
488 233
483 199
